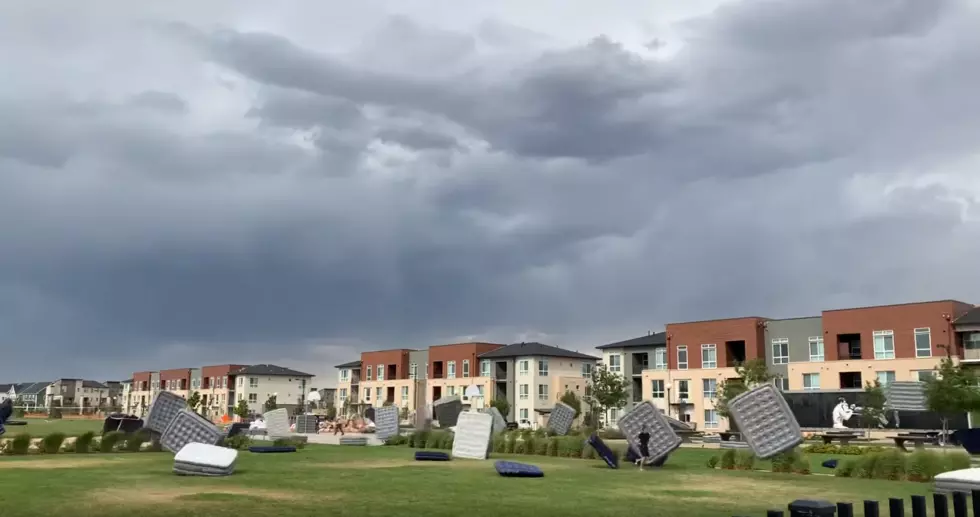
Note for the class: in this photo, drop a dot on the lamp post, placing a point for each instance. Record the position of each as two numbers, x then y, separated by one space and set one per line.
951 338
668 385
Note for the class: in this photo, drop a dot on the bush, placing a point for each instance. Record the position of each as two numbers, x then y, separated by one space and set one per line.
865 467
110 440
922 465
511 444
846 450
801 464
396 440
845 468
784 463
446 441
611 434
713 462
728 459
419 439
499 443
552 446
541 446
744 460
52 443
83 444
588 453
520 447
134 442
293 441
20 445
890 465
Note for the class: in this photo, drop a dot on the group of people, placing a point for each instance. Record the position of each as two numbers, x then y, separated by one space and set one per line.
342 426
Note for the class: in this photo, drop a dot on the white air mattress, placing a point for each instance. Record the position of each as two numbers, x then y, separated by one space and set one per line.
965 480
473 431
207 456
277 423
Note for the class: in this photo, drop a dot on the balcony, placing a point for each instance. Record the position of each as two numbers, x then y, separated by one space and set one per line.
500 371
640 362
971 355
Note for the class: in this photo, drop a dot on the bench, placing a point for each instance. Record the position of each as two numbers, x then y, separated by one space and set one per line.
843 438
919 441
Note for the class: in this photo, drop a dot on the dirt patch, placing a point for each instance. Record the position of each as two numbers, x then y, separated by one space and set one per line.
199 494
722 490
66 463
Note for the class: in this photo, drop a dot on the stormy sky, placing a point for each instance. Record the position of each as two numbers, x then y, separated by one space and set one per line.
187 183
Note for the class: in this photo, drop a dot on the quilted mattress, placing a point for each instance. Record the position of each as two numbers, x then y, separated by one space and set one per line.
189 427
473 432
499 423
517 470
163 409
446 411
965 480
277 423
353 440
561 418
645 416
386 422
307 424
766 421
198 459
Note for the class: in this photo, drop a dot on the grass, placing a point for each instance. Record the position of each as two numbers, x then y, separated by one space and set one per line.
384 481
38 427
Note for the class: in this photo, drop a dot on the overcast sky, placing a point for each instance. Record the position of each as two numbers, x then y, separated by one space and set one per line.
186 183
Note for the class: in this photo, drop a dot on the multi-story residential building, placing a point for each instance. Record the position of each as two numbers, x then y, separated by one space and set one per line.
30 394
348 384
533 376
386 379
451 369
630 358
78 393
967 329
256 384
126 396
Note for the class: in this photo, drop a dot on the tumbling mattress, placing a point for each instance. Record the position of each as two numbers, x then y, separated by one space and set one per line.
353 440
277 423
517 470
446 411
906 396
386 422
163 409
189 427
431 456
127 424
307 424
965 480
198 459
473 432
561 418
6 410
766 421
237 429
645 416
499 423
603 451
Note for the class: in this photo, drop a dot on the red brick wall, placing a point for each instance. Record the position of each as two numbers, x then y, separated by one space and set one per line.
459 352
399 358
220 370
716 332
900 319
177 373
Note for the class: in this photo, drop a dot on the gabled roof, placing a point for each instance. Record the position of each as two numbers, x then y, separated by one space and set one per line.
352 364
533 349
4 388
94 384
269 369
970 318
658 339
31 388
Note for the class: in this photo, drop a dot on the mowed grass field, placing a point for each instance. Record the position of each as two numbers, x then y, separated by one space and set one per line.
385 481
38 427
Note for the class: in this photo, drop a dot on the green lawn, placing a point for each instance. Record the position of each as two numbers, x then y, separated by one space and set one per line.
40 427
384 481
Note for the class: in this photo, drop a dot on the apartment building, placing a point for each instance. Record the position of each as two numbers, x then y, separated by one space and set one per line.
453 368
385 378
967 329
532 377
348 385
79 393
257 383
631 358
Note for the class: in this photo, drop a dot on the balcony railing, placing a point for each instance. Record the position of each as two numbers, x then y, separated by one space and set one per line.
971 354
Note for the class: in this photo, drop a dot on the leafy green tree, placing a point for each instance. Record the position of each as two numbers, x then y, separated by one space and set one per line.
19 407
572 400
270 404
241 409
751 373
873 405
502 405
194 401
609 390
953 390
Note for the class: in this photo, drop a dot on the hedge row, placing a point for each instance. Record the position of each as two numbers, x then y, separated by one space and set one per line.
787 463
922 465
846 450
513 442
115 441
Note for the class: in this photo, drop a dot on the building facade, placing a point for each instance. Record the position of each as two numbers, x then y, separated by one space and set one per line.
631 358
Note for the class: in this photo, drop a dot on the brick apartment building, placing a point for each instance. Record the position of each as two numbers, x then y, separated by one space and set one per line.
680 369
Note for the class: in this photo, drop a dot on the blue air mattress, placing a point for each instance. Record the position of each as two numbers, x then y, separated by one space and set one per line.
271 448
431 456
517 470
603 451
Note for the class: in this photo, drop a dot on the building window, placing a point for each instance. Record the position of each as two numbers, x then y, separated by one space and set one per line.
682 357
466 367
615 363
587 370
367 375
253 398
613 416
710 388
542 392
660 358
524 391
413 371
524 366
811 381
657 388
253 382
479 388
241 382
885 378
344 375
543 367
404 392
816 349
923 342
710 419
884 344
367 393
377 394
524 414
780 351
782 383
484 368
381 372
709 356
343 395
683 390
922 375
452 370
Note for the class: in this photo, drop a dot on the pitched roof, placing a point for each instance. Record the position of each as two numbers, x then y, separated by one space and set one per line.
30 388
352 364
269 369
94 384
970 318
533 349
4 388
657 339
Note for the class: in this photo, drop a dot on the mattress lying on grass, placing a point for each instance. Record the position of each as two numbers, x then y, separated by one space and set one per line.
353 440
965 480
198 459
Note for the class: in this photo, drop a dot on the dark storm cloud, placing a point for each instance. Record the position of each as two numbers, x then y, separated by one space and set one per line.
234 202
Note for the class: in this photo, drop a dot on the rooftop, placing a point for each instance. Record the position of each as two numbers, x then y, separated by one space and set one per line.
352 364
651 339
269 369
972 317
533 349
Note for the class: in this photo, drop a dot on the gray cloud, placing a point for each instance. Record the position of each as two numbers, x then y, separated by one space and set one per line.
234 195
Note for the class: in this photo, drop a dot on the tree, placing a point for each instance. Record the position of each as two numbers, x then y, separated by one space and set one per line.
609 391
953 390
241 409
502 405
270 404
572 400
873 406
751 373
19 407
194 401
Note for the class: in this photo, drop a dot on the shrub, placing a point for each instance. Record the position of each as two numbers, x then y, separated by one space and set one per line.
784 462
397 440
52 443
744 460
728 459
573 446
865 467
588 453
293 441
713 462
611 434
432 440
446 441
954 460
20 445
552 447
155 446
845 468
499 443
134 442
83 443
110 440
846 450
541 446
511 444
529 442
889 465
801 464
420 438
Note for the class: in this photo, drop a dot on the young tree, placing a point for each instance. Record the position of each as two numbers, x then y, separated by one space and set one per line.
610 390
572 400
19 408
953 390
873 406
751 373
194 401
241 409
502 405
270 404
